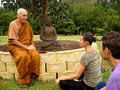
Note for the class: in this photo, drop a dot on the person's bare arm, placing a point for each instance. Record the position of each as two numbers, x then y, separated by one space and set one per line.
104 88
78 73
17 43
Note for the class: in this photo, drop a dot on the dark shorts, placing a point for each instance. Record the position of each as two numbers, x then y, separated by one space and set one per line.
74 85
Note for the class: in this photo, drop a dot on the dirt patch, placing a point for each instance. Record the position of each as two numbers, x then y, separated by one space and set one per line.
62 45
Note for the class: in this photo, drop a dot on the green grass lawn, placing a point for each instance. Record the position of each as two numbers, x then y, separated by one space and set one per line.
36 37
48 85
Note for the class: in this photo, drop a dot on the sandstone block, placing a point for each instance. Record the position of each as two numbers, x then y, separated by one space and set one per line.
16 76
2 67
65 73
79 53
6 75
49 57
47 76
11 68
6 57
44 68
65 56
68 73
73 65
0 56
57 67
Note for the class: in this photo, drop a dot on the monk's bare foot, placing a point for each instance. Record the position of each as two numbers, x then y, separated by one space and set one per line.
22 85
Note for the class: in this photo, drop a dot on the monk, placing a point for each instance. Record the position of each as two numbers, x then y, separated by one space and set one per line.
21 47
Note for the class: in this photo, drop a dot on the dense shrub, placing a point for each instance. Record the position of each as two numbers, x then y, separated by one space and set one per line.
73 18
5 19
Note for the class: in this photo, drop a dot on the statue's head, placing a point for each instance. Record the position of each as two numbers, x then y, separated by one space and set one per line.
47 21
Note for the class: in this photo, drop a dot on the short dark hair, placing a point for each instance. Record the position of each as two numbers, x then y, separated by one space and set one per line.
89 37
111 40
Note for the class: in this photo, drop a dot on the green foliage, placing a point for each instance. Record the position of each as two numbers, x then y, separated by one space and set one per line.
62 21
112 20
34 24
2 10
87 15
69 16
100 31
67 27
5 19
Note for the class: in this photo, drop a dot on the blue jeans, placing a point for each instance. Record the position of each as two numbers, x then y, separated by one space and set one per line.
100 85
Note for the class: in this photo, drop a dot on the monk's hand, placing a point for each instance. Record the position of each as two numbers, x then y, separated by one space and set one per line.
31 47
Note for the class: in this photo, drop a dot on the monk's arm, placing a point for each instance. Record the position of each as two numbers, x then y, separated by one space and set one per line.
17 43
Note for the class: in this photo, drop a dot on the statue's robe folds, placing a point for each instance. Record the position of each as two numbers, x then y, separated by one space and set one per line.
48 36
27 61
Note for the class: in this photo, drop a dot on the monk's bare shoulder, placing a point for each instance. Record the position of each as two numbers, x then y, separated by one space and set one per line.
12 23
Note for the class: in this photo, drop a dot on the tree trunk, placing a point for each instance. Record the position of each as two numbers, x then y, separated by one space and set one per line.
44 7
32 10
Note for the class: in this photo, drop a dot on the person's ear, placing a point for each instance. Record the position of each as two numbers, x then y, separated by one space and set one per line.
86 42
106 50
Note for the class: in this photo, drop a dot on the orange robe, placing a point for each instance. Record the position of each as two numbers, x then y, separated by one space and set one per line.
27 61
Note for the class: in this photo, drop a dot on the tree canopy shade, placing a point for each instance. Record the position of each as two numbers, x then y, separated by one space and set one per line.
68 16
38 8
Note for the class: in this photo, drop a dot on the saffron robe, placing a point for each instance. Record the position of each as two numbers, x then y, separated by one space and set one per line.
27 61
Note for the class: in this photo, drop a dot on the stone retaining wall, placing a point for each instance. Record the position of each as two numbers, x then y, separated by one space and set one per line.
53 64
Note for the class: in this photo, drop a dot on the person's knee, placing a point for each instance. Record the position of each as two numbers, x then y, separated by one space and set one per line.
23 57
63 83
35 54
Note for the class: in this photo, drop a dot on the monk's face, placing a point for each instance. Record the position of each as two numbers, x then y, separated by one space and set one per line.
22 16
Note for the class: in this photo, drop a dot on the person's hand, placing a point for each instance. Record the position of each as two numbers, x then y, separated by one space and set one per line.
57 81
31 47
60 78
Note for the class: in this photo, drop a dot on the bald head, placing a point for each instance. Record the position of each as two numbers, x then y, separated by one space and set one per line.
21 10
22 15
